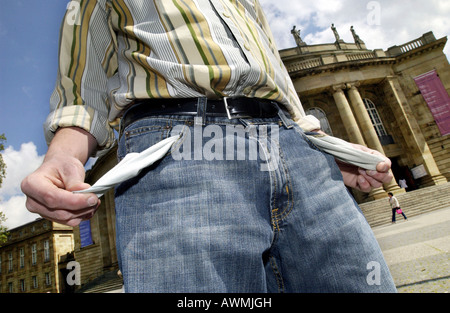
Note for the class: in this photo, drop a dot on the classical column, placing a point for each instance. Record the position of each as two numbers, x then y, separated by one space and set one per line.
347 116
363 117
370 136
411 130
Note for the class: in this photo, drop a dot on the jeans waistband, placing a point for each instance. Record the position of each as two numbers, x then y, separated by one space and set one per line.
232 108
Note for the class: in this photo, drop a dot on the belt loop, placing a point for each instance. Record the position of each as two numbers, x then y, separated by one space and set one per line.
201 111
121 123
288 123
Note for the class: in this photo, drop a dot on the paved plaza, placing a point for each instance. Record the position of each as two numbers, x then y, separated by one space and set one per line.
417 251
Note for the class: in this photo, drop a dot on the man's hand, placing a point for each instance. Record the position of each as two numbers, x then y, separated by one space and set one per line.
49 188
365 180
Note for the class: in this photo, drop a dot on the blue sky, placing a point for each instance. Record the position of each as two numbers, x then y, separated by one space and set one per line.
29 33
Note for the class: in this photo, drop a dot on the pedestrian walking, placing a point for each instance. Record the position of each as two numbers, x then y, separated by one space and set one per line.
395 205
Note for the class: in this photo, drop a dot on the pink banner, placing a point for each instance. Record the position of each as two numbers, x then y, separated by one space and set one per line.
437 98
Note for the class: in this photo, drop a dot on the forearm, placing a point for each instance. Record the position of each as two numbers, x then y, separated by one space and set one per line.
72 142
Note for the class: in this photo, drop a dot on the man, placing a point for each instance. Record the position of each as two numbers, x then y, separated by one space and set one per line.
199 221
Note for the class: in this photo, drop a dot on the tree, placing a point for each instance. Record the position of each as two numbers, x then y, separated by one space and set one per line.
3 229
2 163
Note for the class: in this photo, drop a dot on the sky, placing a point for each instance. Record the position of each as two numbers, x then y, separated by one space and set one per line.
29 32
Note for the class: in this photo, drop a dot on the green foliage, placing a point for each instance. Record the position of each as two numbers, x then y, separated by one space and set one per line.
3 229
2 163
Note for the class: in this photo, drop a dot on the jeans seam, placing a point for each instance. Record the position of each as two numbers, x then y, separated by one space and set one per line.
277 216
277 274
290 200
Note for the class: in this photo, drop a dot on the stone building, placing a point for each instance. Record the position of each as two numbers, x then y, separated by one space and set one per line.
393 101
94 240
29 260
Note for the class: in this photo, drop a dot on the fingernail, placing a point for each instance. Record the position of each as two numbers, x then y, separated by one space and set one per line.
385 168
371 173
92 201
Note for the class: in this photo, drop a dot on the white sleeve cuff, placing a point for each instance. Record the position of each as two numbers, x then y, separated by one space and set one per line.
309 123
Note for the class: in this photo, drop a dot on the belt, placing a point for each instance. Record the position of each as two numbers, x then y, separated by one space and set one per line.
232 108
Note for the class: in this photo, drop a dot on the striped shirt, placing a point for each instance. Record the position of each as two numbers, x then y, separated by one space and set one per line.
115 51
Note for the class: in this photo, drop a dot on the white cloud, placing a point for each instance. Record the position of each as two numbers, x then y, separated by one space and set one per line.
19 164
398 22
16 212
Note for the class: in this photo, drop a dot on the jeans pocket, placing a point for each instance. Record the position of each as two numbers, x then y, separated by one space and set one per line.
305 137
140 136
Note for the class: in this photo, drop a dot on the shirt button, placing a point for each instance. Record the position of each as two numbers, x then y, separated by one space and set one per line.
226 14
247 46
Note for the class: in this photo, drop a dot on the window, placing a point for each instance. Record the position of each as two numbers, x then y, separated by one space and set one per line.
35 281
10 262
10 287
375 118
48 279
33 254
46 251
322 117
22 285
0 265
22 257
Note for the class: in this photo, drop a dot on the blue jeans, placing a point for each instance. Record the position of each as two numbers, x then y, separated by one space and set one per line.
210 218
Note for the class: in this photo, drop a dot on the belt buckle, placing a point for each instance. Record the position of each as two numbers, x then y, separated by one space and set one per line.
225 101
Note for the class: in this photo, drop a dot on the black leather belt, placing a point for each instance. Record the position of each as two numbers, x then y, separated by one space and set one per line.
233 108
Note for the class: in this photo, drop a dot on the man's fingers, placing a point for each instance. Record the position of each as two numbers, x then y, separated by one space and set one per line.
382 177
57 204
384 167
363 184
52 197
62 216
366 180
373 181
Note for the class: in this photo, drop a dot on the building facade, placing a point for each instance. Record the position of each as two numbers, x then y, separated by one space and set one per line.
94 240
393 101
29 259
